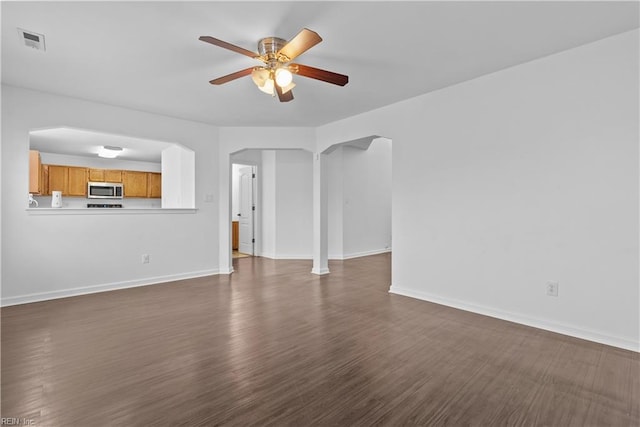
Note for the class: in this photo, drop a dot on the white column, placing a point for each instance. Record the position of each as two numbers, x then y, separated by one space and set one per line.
178 177
320 215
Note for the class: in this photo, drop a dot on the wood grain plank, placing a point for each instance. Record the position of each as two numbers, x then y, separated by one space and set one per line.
274 345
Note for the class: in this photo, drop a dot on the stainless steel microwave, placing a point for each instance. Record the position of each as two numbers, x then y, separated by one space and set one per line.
104 190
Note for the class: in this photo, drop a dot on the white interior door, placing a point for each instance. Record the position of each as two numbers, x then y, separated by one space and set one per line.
245 217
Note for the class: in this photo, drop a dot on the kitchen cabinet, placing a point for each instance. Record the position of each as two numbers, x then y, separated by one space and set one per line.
96 175
71 180
112 175
134 183
58 179
44 179
154 185
77 181
35 173
105 175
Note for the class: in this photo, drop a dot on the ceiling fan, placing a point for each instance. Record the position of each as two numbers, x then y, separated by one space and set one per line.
276 75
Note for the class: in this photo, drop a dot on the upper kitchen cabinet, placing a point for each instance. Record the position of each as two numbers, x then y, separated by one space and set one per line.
134 183
154 185
77 181
96 175
71 180
111 175
105 175
35 173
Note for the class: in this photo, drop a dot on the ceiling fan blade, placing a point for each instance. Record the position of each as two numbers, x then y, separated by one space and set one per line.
303 41
232 76
318 74
229 46
284 97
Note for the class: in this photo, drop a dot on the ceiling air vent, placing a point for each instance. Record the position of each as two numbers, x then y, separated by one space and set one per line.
31 39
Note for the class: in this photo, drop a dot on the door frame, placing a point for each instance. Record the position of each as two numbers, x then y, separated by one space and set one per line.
257 229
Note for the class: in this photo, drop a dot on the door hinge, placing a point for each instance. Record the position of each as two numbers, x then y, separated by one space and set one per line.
253 240
253 208
253 175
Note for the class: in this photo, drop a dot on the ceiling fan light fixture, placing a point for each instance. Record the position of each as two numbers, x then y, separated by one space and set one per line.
283 77
267 87
276 75
260 76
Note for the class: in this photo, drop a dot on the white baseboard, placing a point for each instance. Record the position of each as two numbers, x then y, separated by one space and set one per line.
331 257
359 254
65 293
320 272
524 320
289 257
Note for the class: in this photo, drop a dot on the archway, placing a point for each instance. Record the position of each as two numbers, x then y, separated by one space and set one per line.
322 201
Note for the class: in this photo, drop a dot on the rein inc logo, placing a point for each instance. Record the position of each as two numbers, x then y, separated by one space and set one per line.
17 421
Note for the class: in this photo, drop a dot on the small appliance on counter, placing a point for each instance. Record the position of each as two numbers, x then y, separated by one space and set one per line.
56 199
104 205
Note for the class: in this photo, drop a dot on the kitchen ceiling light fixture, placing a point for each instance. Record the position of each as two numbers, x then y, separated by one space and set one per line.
276 76
109 151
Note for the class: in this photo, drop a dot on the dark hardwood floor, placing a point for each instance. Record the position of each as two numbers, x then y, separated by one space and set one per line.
275 345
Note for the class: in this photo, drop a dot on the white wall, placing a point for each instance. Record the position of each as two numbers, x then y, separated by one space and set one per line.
294 204
268 207
287 205
522 176
360 200
48 256
335 204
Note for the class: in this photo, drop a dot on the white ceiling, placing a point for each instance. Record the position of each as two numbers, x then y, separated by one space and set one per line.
147 56
80 142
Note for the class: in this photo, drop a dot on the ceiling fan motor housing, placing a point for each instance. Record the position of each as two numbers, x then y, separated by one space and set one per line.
269 47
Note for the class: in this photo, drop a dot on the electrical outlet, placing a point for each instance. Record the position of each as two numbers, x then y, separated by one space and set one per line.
145 258
552 288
